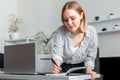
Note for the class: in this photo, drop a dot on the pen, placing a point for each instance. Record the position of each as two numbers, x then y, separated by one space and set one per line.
54 62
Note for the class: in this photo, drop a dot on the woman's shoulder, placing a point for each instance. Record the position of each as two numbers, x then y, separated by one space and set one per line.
61 29
90 28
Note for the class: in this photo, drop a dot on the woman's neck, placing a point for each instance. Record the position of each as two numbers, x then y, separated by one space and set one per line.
77 38
77 32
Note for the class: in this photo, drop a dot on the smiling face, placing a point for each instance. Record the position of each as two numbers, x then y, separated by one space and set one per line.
71 19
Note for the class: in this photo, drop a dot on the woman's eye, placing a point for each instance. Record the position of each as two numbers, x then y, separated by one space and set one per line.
73 18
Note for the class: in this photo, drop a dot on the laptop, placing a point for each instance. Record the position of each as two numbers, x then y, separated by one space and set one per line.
22 59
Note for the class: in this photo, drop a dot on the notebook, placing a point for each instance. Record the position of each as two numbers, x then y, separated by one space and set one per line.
68 72
22 59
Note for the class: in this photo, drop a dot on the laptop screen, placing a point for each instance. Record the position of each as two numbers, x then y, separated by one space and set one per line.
19 58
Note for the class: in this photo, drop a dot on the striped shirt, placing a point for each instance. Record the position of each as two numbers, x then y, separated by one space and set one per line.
86 51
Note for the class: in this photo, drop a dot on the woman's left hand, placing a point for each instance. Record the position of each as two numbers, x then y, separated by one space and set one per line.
90 72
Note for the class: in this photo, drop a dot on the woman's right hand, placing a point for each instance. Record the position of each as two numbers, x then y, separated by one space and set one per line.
56 69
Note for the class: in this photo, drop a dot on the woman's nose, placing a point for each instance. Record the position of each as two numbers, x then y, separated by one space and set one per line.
69 21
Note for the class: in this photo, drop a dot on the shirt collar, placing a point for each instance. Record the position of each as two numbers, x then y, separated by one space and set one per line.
68 33
87 32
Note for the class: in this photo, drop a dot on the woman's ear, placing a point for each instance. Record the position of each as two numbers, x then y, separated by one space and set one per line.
81 15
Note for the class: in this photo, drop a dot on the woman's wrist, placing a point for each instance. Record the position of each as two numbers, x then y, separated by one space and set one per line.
88 69
56 67
57 62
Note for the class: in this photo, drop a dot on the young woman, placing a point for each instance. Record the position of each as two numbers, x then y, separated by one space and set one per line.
75 42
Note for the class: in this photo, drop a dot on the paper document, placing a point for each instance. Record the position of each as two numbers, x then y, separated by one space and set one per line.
66 73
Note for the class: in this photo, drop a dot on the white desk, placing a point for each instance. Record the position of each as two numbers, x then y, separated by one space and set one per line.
4 76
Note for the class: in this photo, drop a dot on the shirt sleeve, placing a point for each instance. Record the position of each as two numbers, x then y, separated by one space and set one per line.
92 49
57 49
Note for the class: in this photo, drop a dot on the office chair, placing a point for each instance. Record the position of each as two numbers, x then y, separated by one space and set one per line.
1 61
97 62
97 65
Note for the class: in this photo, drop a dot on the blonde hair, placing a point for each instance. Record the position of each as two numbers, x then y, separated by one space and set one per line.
75 6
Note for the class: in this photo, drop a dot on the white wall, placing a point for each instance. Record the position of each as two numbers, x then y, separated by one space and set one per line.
6 8
40 15
100 8
44 15
108 40
109 44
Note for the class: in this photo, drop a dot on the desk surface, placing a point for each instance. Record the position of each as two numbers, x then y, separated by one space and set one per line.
4 76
